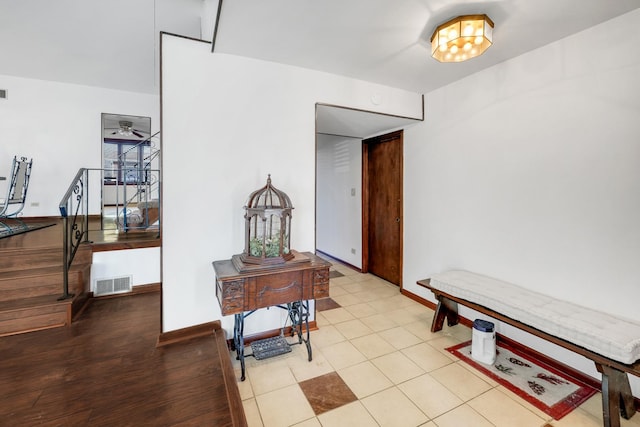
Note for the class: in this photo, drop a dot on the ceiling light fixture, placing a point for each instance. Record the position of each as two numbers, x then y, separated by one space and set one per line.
126 128
462 38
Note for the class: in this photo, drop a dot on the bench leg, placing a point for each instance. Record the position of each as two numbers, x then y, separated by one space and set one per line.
446 308
616 396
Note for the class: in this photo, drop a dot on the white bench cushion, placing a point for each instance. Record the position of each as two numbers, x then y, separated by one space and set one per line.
608 335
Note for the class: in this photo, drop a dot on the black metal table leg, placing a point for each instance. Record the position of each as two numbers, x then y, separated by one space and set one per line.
294 316
299 314
238 340
305 315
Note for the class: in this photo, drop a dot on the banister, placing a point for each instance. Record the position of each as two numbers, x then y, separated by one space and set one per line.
124 153
65 198
77 232
74 210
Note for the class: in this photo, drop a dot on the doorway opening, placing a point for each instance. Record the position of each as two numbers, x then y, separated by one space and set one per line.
340 182
382 202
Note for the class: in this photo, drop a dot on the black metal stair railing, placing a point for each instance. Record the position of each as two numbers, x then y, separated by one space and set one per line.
74 206
146 196
146 186
74 209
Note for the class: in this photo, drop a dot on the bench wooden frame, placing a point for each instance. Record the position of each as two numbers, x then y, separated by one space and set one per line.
615 383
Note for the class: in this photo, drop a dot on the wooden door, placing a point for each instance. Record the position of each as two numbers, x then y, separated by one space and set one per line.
382 206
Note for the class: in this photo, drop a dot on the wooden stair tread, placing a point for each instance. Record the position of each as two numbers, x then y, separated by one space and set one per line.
33 302
31 274
37 272
4 250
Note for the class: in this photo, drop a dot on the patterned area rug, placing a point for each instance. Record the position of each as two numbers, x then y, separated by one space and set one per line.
550 390
12 227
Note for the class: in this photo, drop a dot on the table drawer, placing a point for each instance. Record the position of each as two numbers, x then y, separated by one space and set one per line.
321 283
230 296
274 289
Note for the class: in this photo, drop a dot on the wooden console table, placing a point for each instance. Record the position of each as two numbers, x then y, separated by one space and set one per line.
242 289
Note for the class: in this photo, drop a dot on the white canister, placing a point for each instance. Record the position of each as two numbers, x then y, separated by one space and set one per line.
483 342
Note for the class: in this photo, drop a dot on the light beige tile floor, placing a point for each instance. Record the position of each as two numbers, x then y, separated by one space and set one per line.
380 344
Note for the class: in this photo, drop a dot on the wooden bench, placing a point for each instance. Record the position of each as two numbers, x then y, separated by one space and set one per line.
544 317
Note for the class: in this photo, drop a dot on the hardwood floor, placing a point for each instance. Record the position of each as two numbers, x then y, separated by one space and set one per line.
102 240
31 272
105 370
110 239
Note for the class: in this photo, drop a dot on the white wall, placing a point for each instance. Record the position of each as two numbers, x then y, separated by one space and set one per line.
59 126
229 121
530 172
338 210
143 265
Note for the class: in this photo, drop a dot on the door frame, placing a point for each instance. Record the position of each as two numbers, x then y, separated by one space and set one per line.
362 134
365 200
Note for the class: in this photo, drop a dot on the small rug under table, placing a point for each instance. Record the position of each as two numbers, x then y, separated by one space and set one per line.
554 392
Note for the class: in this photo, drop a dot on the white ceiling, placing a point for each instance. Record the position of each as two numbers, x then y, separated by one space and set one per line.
114 43
111 126
105 43
347 122
388 41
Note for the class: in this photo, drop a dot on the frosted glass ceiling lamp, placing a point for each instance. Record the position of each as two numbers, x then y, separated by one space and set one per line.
462 38
126 128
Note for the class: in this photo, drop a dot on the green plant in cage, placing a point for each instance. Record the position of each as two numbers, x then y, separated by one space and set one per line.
272 247
255 247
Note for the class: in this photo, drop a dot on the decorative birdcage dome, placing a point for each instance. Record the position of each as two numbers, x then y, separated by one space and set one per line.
267 226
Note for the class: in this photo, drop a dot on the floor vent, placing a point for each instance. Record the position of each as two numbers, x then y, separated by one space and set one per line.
115 285
3 94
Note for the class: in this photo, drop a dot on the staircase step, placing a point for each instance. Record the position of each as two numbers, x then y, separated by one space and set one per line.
29 258
32 314
18 284
31 277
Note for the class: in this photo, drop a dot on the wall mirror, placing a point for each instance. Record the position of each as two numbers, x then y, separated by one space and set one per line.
127 160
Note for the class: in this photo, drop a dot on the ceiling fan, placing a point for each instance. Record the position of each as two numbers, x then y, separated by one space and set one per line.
126 129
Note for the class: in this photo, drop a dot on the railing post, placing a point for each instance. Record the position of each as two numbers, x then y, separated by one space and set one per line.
65 255
85 228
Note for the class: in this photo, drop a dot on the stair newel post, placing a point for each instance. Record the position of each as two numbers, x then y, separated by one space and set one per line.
65 258
85 228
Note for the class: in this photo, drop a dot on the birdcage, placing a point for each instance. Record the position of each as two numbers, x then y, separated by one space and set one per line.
267 226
